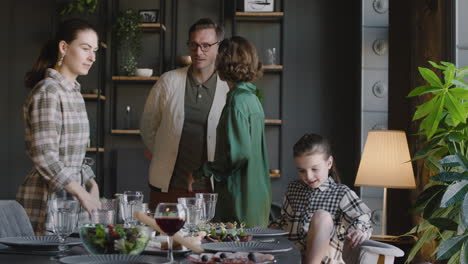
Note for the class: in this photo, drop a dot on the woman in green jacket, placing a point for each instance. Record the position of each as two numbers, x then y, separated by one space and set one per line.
240 168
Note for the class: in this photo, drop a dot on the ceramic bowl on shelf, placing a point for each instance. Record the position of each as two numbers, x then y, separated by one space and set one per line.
143 72
183 60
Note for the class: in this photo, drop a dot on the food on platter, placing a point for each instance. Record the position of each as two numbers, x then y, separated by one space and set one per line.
220 233
231 258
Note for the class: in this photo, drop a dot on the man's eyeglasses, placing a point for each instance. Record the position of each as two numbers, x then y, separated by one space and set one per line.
203 46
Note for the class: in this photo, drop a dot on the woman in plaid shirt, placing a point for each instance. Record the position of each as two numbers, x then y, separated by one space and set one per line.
319 213
56 123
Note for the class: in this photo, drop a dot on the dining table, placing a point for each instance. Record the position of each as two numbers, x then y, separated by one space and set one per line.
7 256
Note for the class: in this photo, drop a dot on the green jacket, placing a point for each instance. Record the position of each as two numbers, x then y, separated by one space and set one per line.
240 168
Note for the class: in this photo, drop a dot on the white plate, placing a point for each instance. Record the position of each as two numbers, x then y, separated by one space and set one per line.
112 259
38 241
264 232
163 252
251 246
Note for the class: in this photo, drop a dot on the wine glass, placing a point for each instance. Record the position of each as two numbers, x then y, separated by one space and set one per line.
170 217
63 214
210 205
195 212
131 202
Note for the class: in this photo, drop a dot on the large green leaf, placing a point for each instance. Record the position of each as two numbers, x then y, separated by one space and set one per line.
449 74
432 163
437 66
454 161
430 77
432 205
455 108
455 259
449 177
464 254
450 247
454 193
460 93
456 137
427 236
425 196
465 211
424 89
431 122
444 223
462 72
424 109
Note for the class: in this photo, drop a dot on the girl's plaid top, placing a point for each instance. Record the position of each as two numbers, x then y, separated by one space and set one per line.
56 134
345 207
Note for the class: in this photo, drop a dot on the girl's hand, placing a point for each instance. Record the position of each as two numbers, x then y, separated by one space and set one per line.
356 237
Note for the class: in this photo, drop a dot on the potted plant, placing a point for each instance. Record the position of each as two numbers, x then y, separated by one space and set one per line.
128 37
79 6
444 201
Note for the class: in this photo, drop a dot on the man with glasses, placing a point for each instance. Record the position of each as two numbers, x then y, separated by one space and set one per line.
181 114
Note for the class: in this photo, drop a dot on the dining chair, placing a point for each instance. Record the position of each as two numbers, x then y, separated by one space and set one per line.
14 221
371 252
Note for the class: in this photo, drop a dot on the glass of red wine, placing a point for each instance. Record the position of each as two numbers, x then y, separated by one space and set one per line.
170 217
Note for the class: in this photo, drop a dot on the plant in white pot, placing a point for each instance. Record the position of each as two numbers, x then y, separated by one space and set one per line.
128 37
443 203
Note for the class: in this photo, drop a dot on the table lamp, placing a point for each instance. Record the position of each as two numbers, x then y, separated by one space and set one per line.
386 163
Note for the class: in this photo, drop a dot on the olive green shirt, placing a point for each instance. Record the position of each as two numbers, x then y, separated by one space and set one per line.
240 167
192 147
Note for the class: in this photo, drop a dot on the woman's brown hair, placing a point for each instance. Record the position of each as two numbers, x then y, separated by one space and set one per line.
237 61
310 144
68 31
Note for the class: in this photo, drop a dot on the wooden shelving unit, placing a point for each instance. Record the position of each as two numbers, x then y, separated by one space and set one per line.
152 27
134 78
94 149
259 16
94 97
125 131
137 131
272 68
273 121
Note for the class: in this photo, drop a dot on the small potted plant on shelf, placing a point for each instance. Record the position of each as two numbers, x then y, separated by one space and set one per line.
128 38
444 202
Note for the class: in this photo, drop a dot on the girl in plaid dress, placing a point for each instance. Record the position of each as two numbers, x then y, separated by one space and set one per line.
319 213
56 123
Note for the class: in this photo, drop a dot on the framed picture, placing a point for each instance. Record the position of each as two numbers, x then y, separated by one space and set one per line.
148 15
259 5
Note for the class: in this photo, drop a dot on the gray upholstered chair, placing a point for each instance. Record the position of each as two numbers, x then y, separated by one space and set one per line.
371 252
13 220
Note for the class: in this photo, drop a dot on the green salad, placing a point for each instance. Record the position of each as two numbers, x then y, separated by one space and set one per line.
108 239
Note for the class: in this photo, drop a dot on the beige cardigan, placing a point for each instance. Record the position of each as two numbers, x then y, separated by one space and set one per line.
163 119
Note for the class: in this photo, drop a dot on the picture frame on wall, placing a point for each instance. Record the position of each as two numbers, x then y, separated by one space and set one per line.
148 15
259 5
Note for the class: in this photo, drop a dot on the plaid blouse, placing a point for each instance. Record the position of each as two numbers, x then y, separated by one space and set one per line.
56 134
345 207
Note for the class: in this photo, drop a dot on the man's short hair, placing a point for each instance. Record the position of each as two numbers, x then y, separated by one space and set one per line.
205 23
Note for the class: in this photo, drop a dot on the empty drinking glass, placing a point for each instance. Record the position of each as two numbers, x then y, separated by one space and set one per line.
63 214
210 205
195 212
105 217
130 203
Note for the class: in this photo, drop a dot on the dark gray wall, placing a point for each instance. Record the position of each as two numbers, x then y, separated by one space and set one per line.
320 93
